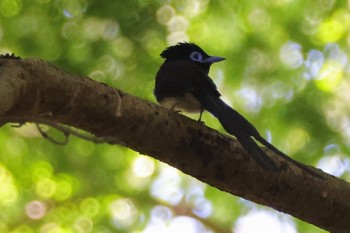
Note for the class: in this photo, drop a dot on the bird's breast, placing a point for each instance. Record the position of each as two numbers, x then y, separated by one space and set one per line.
186 103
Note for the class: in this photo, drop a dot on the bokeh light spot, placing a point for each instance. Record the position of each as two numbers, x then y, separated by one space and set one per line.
90 206
178 24
165 13
263 221
330 31
69 30
41 169
161 214
185 224
123 213
259 19
296 139
45 187
334 164
35 209
330 76
83 224
8 191
94 29
252 99
72 8
313 63
291 55
10 8
65 184
111 30
167 187
202 207
143 166
175 37
122 47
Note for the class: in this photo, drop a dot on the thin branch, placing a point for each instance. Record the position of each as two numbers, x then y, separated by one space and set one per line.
66 130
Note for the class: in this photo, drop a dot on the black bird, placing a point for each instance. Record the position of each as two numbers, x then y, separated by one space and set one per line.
182 84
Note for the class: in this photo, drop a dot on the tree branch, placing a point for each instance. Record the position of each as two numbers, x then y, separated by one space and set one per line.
30 87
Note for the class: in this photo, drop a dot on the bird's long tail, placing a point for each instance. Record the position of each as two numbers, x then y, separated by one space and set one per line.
286 157
235 124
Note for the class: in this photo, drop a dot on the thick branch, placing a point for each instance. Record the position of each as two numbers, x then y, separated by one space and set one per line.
32 88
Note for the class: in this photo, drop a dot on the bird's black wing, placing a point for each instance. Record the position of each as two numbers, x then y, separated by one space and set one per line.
205 91
170 82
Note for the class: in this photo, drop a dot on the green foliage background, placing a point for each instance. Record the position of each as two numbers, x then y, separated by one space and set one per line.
286 70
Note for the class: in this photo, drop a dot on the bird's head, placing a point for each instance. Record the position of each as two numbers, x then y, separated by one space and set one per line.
190 52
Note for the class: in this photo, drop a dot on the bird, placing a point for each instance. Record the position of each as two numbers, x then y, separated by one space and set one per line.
182 84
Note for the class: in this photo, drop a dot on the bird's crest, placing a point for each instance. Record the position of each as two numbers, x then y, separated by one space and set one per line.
181 50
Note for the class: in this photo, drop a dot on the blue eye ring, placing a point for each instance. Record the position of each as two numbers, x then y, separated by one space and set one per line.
196 56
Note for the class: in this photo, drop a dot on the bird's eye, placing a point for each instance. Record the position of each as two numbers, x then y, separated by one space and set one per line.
196 56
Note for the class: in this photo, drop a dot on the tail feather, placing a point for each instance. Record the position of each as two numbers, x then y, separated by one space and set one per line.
257 153
235 124
286 157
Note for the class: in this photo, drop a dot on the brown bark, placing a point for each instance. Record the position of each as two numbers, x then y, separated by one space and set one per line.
33 88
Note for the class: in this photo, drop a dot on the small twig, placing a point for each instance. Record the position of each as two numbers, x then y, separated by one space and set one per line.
65 129
18 124
47 137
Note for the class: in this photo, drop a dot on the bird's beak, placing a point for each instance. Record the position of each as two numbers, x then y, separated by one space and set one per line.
213 59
